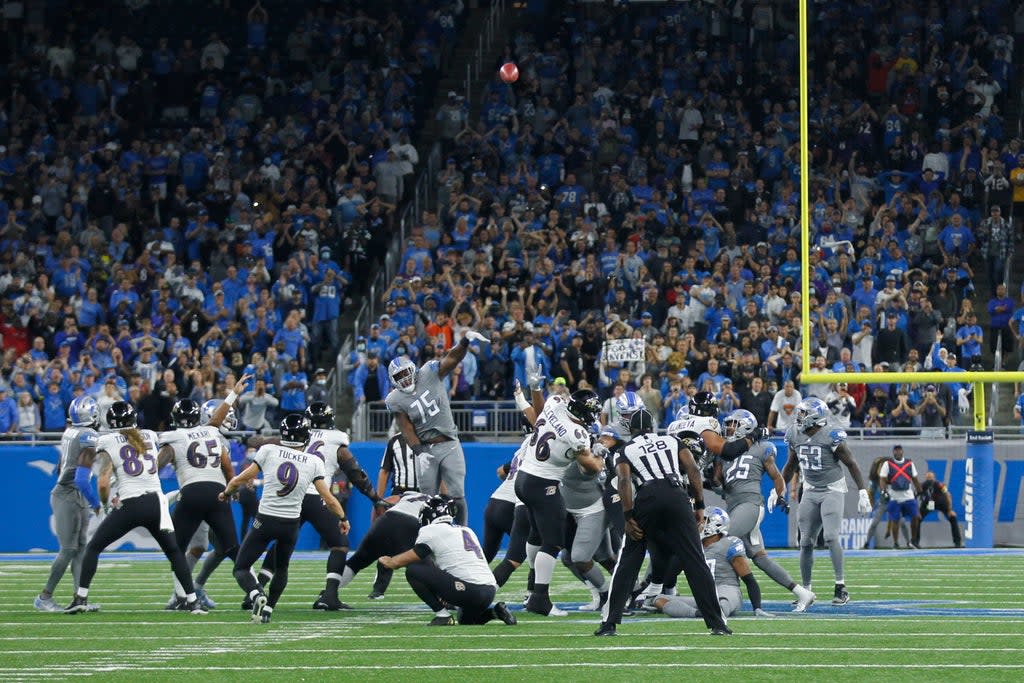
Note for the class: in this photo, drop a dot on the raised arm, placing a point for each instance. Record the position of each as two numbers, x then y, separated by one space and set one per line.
221 413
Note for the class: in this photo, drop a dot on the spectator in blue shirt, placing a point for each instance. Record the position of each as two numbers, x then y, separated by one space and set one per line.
8 412
294 342
293 388
968 339
956 239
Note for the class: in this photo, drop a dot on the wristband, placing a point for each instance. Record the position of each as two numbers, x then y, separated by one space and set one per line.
698 505
231 398
628 514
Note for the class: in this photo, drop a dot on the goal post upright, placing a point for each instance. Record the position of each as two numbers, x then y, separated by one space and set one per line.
980 485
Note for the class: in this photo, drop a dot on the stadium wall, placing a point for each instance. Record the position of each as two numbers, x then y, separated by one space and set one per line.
31 471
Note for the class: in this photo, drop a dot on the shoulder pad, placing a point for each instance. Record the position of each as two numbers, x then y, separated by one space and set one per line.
343 438
837 436
769 449
735 547
87 439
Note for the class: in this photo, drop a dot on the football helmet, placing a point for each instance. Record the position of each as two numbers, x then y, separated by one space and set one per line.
684 411
626 406
810 413
83 412
320 415
716 521
437 509
642 422
122 415
185 413
294 430
402 372
584 406
704 404
207 410
743 423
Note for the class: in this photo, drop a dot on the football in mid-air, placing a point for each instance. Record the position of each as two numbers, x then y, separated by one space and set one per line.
509 72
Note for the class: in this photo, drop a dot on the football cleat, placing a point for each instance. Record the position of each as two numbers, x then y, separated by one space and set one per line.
375 596
915 546
647 604
841 596
258 605
804 598
605 629
543 606
204 599
502 612
595 602
247 604
46 605
172 604
79 604
330 603
721 631
195 607
443 621
92 608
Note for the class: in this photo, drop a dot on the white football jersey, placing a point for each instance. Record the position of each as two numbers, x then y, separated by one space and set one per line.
555 443
324 444
507 489
409 504
694 426
287 474
197 453
137 473
456 550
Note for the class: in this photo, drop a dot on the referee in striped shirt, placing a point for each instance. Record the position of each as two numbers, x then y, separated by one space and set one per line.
399 466
661 515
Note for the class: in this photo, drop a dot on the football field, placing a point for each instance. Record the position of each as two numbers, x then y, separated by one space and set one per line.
914 616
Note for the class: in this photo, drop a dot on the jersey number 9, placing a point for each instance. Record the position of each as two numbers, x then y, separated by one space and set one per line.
288 475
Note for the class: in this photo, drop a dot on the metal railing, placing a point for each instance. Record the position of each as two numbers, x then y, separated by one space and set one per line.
483 45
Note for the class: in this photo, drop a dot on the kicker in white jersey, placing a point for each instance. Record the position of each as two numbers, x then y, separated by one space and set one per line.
287 474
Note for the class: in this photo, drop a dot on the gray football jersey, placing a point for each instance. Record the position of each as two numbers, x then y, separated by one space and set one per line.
427 406
72 443
581 490
816 454
719 556
742 476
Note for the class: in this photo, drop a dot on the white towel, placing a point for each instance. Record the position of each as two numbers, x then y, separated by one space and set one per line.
165 514
962 402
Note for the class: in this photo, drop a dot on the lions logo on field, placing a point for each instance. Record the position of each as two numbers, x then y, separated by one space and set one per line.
459 586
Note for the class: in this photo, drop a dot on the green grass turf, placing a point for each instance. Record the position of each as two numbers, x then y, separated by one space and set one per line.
913 616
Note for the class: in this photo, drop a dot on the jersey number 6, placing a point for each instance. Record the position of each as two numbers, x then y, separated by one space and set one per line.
540 443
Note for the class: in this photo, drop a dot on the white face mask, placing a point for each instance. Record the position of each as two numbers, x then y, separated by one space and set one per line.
321 381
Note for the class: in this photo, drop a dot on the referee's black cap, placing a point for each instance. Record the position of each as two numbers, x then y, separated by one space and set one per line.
642 422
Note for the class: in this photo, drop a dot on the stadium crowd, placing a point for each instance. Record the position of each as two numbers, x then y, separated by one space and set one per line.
641 180
177 204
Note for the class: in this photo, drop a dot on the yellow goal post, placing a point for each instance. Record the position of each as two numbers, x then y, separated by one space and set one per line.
976 379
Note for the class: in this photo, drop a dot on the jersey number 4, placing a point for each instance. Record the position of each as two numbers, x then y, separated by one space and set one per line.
469 545
426 406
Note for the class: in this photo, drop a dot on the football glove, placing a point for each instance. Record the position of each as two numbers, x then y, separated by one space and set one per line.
761 613
382 504
535 380
863 502
773 499
473 335
759 434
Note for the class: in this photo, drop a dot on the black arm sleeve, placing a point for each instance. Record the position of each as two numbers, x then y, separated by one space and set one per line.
357 476
733 449
753 590
423 551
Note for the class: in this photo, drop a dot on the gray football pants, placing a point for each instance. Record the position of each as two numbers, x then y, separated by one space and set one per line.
72 522
745 524
439 462
684 606
820 511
